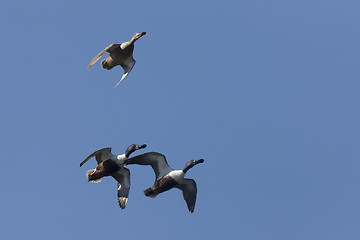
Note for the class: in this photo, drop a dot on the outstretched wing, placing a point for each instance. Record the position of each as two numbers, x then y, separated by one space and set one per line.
156 160
127 65
189 189
100 155
108 49
123 186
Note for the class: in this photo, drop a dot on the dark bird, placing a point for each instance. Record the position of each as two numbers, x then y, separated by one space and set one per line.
119 54
167 178
112 165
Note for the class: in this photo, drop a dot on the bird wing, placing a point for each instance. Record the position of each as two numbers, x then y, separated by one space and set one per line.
100 155
127 65
123 186
108 49
156 160
189 189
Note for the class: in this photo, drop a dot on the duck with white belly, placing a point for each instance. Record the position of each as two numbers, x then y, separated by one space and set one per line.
167 178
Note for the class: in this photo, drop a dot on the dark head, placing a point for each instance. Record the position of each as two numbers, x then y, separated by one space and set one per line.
192 163
132 148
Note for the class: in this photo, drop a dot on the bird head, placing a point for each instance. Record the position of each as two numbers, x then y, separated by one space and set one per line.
192 163
136 36
132 148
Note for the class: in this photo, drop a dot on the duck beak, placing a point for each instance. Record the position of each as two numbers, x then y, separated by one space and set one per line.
199 161
142 34
141 146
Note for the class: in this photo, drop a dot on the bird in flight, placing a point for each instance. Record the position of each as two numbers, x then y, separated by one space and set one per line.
119 54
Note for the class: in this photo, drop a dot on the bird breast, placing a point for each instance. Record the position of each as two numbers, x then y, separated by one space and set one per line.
120 160
177 175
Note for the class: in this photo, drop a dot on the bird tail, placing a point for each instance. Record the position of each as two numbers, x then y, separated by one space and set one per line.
122 202
150 193
91 177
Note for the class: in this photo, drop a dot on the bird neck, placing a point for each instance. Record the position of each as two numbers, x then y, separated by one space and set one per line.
133 40
129 151
127 154
186 168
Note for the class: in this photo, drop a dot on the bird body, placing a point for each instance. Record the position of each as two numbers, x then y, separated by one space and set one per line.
169 181
119 54
167 178
106 168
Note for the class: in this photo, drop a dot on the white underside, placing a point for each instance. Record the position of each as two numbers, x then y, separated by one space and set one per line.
120 160
177 175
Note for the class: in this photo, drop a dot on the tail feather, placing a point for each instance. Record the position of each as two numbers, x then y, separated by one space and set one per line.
122 202
91 178
150 193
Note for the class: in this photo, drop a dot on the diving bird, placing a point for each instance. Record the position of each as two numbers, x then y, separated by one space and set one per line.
113 165
167 178
119 54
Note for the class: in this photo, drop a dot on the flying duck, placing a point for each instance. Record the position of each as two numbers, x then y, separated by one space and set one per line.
119 54
112 165
167 178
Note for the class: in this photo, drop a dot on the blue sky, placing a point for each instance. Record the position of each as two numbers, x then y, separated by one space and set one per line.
267 92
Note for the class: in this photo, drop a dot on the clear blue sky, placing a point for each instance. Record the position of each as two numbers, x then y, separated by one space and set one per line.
267 92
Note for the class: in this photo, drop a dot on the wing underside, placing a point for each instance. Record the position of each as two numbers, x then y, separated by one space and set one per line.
108 49
100 155
127 65
189 189
123 187
156 160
